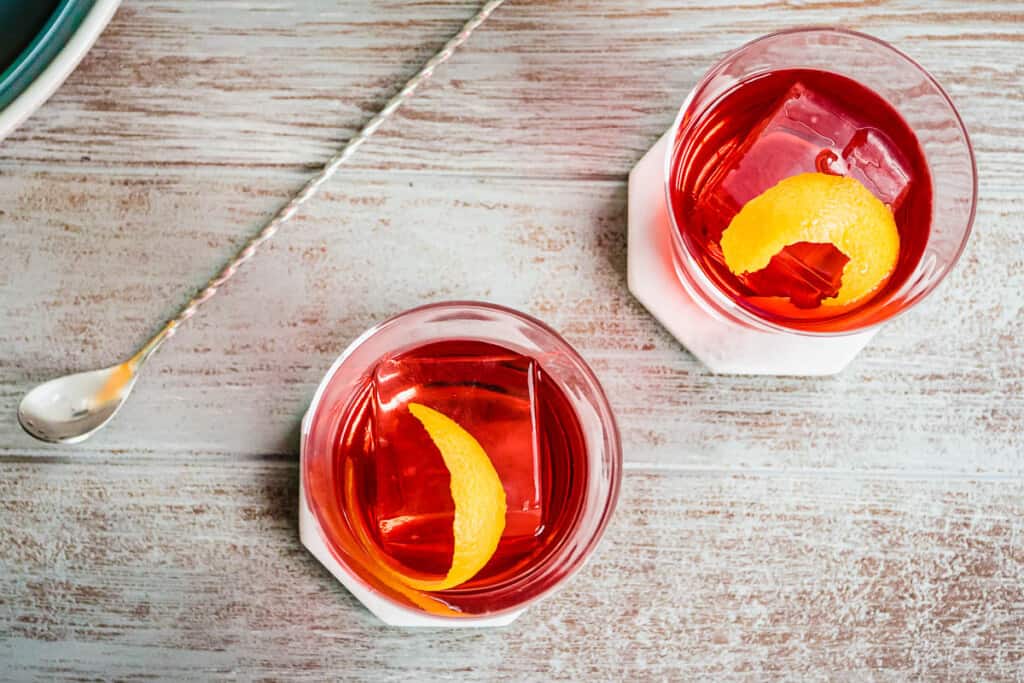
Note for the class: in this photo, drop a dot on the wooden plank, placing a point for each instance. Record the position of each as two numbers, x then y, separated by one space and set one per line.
563 89
192 568
98 259
583 89
175 80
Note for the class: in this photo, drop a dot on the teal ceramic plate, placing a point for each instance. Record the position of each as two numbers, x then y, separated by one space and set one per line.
41 41
41 28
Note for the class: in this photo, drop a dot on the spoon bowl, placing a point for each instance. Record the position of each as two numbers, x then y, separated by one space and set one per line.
69 409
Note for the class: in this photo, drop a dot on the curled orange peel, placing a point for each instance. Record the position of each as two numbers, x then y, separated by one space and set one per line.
817 208
478 495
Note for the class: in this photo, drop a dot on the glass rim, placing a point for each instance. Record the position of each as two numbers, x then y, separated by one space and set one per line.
711 297
602 507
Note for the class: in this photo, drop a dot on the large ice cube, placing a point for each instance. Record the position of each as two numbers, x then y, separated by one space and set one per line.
493 398
807 131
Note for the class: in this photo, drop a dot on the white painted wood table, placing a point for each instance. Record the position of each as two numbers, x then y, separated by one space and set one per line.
866 526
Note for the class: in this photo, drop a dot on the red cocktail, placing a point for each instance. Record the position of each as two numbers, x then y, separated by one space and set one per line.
777 125
826 102
816 183
387 495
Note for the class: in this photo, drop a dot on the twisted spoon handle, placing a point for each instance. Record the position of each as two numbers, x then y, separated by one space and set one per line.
313 184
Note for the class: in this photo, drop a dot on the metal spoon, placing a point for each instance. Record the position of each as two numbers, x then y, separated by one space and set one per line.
72 408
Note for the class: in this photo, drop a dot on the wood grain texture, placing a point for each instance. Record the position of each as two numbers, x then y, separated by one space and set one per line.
813 576
563 88
862 527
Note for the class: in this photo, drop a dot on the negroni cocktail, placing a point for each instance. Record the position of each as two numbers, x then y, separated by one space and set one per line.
816 183
797 123
461 460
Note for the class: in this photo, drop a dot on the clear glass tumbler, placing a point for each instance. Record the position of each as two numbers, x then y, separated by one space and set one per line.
941 133
339 529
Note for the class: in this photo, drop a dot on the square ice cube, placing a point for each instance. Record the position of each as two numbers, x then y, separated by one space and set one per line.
807 131
490 396
872 158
